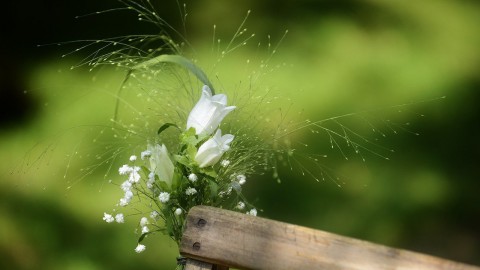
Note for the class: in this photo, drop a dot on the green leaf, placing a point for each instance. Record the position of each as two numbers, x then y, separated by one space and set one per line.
165 126
191 151
182 160
181 61
213 188
210 172
142 237
163 186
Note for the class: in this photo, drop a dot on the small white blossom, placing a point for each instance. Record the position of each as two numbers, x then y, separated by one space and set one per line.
252 212
133 158
134 176
128 194
146 154
108 218
119 218
145 230
164 197
241 205
151 180
178 211
143 221
154 215
226 192
127 198
124 169
126 186
225 162
124 202
192 177
241 179
190 191
140 248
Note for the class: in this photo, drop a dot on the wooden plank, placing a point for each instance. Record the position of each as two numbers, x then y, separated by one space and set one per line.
242 241
197 265
193 264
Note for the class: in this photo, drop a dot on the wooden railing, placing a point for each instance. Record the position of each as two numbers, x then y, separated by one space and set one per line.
219 239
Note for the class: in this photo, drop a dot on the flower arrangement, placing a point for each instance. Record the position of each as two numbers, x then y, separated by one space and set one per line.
198 173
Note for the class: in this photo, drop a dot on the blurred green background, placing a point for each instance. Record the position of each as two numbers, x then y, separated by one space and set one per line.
341 57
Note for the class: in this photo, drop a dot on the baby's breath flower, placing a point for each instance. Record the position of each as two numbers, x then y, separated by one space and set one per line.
154 215
124 202
126 186
252 212
145 230
178 211
128 194
192 177
140 248
208 112
164 197
241 179
126 198
134 176
145 154
190 191
225 162
143 221
119 218
133 158
108 218
124 170
241 205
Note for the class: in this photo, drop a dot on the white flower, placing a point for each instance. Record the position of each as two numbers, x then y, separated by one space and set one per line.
192 177
208 112
108 218
241 205
241 179
134 176
124 169
119 218
126 198
164 197
190 191
151 180
212 150
124 202
133 158
178 211
140 248
154 215
128 194
126 186
143 221
145 154
252 212
225 162
145 230
160 163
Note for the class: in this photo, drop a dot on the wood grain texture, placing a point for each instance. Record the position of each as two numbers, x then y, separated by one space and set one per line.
229 238
197 265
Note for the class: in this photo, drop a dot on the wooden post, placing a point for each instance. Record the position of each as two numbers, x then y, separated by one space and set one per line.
222 237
